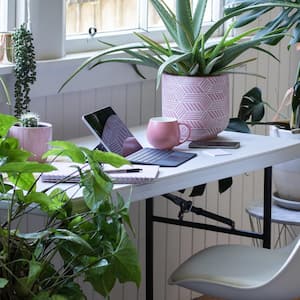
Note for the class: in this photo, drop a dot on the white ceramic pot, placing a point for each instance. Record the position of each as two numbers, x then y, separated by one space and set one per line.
286 176
200 102
33 139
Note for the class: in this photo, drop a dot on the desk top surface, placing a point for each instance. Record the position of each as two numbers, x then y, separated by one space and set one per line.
255 152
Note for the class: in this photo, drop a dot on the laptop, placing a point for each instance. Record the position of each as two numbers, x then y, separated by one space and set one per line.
115 137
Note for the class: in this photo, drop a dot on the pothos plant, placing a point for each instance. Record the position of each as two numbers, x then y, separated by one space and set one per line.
24 69
89 237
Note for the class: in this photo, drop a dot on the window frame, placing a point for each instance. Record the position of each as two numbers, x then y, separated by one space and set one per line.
8 15
83 42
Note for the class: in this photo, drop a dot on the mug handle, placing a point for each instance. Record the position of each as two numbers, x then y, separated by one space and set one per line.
189 132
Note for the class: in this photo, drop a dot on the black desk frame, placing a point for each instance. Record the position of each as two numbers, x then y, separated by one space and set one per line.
265 236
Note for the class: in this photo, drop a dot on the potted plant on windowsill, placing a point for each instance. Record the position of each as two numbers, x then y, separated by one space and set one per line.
32 134
77 240
201 64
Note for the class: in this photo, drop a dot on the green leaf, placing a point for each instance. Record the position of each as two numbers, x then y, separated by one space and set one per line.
171 60
110 158
6 121
198 17
198 190
26 167
3 282
33 235
94 59
50 204
123 210
70 291
35 269
168 18
238 125
125 261
231 53
224 184
25 181
66 235
184 25
102 277
296 35
63 148
252 106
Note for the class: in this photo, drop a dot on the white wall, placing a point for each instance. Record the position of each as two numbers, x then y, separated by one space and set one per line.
136 101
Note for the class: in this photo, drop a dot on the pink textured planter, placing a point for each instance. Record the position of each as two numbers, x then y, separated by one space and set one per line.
33 139
200 102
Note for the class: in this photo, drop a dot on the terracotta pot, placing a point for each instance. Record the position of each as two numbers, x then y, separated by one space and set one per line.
286 176
33 139
200 102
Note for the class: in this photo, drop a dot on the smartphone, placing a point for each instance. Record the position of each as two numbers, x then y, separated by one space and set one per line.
215 144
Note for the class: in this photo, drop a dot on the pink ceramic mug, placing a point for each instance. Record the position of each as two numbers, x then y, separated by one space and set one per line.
164 132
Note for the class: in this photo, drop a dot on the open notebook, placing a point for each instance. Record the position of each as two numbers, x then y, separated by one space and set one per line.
68 174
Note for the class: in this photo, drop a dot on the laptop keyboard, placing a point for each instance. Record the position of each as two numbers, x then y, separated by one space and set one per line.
149 155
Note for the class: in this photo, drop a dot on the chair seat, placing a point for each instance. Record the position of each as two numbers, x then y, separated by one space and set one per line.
242 272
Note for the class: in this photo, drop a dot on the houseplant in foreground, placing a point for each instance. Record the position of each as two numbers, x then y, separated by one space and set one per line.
33 136
198 60
89 238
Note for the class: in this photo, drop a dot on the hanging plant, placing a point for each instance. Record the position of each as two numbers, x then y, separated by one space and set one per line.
25 69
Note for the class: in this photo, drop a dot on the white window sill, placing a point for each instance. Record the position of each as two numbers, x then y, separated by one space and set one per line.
51 74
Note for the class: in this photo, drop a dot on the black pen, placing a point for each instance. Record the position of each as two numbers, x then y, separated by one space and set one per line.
133 170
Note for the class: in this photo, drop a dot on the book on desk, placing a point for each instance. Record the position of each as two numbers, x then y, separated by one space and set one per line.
128 174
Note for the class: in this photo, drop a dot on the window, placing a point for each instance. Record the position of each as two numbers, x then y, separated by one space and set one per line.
116 19
7 15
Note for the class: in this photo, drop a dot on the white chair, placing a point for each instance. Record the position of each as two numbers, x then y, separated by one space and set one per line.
239 272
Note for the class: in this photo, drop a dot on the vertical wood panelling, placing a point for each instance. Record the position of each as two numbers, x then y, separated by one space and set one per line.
136 103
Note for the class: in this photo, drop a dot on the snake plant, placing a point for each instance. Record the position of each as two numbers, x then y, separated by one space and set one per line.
194 52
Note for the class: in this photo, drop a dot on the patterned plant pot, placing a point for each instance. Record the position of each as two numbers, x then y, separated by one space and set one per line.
200 102
33 139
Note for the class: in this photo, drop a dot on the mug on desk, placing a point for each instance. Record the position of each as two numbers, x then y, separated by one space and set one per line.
164 132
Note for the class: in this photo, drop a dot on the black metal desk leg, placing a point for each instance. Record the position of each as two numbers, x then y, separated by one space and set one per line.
267 207
149 249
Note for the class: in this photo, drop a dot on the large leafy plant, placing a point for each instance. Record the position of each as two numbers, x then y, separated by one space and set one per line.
88 237
194 52
252 110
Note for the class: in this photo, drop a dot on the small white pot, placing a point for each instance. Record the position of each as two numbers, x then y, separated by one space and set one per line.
33 139
286 176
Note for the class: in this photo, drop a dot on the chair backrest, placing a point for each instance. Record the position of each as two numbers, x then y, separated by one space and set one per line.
286 280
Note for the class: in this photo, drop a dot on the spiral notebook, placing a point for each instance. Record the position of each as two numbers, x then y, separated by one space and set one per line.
132 174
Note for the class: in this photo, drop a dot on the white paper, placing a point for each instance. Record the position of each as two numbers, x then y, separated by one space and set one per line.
216 152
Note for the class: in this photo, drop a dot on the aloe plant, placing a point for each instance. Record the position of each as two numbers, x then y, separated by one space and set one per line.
194 54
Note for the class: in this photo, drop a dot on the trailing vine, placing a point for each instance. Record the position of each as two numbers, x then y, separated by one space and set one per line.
25 68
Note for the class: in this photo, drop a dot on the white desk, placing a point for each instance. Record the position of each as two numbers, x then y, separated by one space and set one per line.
256 152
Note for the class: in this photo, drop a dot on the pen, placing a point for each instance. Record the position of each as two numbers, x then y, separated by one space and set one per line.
135 170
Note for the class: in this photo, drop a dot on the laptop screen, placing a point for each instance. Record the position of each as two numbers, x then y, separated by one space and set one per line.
113 133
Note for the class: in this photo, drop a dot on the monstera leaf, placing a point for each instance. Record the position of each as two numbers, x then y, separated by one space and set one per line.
252 106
